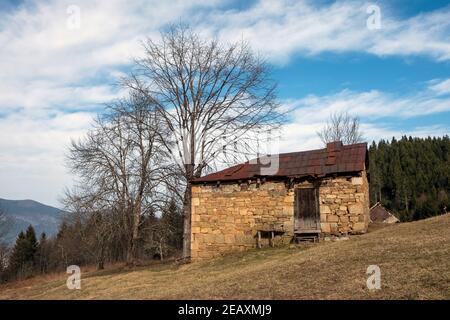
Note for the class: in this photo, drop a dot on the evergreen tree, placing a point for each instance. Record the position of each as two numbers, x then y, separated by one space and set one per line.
18 256
42 254
32 244
22 261
411 176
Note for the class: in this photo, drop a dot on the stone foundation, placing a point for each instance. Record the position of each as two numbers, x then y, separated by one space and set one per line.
226 218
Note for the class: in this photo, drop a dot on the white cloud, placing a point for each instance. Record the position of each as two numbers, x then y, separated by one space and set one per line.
42 55
32 157
374 108
298 135
370 104
48 70
379 131
48 95
440 87
281 29
426 34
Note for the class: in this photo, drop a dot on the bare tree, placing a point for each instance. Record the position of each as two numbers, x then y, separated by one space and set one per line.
96 225
341 127
164 233
121 164
213 97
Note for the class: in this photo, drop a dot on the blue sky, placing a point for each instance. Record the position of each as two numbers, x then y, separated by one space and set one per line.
54 77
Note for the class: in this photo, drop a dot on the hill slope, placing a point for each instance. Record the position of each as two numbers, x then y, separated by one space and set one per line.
414 259
22 213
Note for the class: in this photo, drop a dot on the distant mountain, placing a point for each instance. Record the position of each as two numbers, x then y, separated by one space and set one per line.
22 213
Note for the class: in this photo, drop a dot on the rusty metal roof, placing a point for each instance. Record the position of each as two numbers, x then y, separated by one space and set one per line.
378 213
335 158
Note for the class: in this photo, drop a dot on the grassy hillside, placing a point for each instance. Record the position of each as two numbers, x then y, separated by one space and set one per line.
414 259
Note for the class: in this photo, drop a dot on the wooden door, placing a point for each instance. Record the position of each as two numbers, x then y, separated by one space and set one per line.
307 216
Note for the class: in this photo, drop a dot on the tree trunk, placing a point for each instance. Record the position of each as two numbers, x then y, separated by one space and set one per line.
132 252
101 260
132 248
406 204
161 251
187 222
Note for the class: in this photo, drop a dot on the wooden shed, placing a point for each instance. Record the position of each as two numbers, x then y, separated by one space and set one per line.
380 214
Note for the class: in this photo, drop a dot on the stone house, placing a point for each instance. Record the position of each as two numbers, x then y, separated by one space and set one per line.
318 192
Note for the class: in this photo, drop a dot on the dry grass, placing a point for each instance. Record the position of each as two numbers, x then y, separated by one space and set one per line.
414 259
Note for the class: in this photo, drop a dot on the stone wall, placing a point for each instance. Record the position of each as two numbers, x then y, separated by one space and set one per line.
226 218
344 205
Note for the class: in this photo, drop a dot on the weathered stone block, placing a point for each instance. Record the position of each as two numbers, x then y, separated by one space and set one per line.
333 227
219 238
325 190
195 201
332 218
229 238
325 227
356 208
357 181
359 226
325 209
195 229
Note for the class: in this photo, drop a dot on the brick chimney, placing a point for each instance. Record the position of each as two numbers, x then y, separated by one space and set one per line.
334 146
332 149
